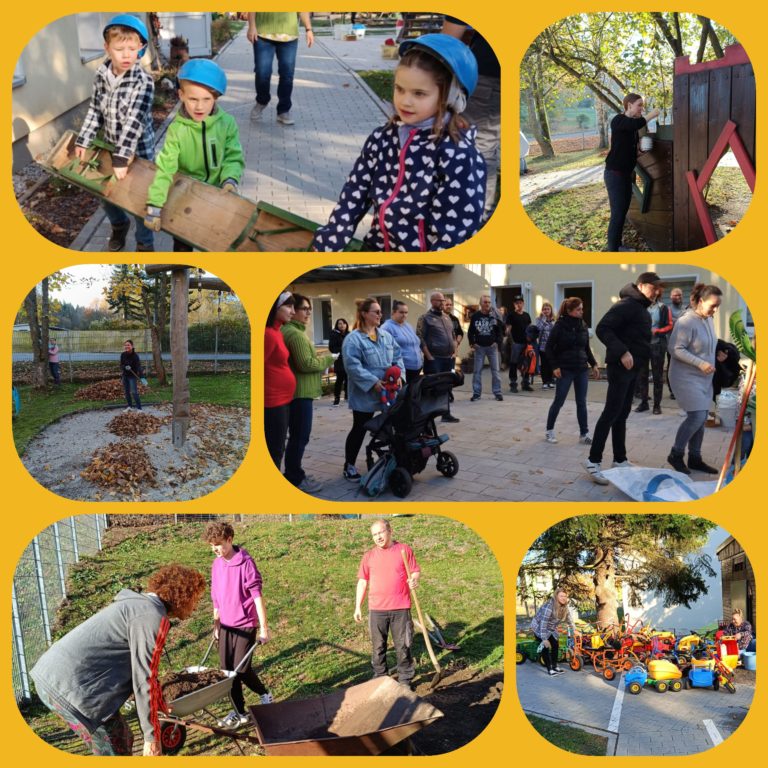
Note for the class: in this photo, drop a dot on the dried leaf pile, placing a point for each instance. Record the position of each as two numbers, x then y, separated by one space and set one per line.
134 424
122 467
112 389
178 684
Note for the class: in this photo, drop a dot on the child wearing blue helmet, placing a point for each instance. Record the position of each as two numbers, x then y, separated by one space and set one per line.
203 140
121 109
421 173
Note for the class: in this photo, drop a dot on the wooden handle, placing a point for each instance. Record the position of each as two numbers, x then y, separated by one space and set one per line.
424 632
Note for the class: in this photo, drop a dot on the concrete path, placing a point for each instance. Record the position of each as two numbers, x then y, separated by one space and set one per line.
650 723
302 167
501 449
533 185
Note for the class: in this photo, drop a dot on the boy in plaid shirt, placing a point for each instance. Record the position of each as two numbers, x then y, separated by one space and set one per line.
121 109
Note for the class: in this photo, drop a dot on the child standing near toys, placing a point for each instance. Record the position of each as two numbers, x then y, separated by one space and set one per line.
121 109
203 140
421 172
238 607
544 627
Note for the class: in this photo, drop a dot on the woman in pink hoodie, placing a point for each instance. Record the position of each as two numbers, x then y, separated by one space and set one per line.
238 610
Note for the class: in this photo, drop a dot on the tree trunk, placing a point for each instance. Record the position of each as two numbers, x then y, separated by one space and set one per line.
604 580
602 124
180 356
39 353
156 325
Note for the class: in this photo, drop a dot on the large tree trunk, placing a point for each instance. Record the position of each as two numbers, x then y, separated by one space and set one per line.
602 124
156 325
604 580
39 352
539 123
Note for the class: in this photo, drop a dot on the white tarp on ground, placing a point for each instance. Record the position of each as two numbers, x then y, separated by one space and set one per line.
650 484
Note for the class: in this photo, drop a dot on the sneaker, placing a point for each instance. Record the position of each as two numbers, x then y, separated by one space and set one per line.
351 473
550 436
585 439
335 404
118 236
499 396
450 419
551 673
233 720
642 407
266 698
310 485
513 388
128 409
558 671
594 470
623 464
257 110
656 410
474 398
285 119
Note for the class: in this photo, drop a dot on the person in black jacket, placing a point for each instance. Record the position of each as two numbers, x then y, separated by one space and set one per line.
620 164
485 336
517 321
131 373
570 358
338 334
625 329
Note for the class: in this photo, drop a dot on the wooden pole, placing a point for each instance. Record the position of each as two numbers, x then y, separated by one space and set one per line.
180 356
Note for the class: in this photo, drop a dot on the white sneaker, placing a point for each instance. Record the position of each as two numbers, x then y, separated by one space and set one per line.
585 439
257 110
285 119
623 464
595 472
266 698
234 720
127 410
550 436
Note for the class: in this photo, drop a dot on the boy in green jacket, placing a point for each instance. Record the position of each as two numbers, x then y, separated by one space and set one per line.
203 141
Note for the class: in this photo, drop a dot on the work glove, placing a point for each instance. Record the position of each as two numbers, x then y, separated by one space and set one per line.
152 218
230 185
143 381
127 367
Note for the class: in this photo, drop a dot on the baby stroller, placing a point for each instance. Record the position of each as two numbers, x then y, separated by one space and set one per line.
407 433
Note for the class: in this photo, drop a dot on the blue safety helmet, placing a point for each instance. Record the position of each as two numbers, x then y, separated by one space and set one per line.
204 72
451 52
132 22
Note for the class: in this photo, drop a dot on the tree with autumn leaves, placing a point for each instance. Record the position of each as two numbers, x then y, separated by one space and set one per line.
594 555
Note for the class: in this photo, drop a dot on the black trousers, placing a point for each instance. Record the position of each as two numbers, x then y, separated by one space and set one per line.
276 430
549 654
356 435
341 380
233 645
613 419
656 367
400 625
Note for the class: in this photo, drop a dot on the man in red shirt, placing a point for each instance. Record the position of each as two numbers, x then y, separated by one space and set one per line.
389 600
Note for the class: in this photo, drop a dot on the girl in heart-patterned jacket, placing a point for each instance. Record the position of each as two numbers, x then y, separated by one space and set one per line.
421 172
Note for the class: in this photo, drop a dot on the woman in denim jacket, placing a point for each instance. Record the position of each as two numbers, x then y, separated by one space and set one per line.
368 351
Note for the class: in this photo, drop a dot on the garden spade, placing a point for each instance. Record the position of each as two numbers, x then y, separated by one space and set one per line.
438 671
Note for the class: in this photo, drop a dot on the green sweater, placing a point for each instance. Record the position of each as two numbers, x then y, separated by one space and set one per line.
305 363
209 151
277 23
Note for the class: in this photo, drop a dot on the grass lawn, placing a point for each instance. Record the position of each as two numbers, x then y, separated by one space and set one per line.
38 409
309 569
380 81
566 161
570 739
578 218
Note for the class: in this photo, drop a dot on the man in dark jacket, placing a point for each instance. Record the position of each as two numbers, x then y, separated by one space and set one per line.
625 329
517 321
485 336
661 327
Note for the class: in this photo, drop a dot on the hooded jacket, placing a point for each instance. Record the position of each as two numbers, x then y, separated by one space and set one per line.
93 669
235 583
626 327
568 344
426 195
208 151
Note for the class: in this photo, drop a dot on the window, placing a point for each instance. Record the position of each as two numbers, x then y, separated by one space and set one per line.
323 320
90 35
385 302
19 78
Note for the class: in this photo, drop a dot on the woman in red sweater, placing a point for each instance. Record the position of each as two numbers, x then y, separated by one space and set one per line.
279 381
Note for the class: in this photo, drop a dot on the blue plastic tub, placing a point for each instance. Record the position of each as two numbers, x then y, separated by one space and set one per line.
749 660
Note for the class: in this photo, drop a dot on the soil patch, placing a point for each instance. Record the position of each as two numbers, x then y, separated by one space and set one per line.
217 441
178 684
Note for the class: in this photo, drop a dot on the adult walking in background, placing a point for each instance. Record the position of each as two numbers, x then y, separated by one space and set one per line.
692 347
486 334
338 334
518 321
368 351
625 329
661 327
407 340
545 322
438 340
279 380
307 367
276 36
620 164
570 358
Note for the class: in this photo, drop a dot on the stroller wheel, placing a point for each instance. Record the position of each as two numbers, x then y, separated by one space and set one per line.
400 482
447 463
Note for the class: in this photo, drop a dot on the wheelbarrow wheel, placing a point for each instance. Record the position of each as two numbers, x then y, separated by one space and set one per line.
400 482
447 464
676 685
172 737
609 673
635 688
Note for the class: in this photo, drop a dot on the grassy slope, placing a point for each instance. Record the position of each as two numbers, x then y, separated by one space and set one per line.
310 571
567 161
380 81
570 739
38 409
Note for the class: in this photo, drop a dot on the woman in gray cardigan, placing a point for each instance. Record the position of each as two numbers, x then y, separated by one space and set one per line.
692 346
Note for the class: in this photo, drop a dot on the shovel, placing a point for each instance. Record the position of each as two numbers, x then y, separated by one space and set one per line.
438 671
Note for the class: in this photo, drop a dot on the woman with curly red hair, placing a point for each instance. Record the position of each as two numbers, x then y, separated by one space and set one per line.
86 676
